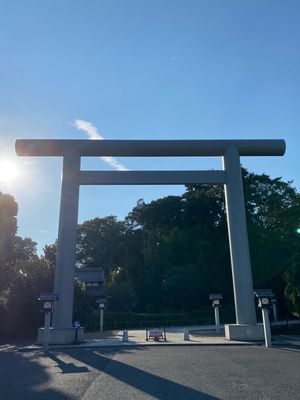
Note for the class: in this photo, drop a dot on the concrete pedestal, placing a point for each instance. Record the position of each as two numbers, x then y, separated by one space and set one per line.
244 332
60 336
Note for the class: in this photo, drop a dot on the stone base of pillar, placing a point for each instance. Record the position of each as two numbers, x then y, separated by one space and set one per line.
244 332
61 336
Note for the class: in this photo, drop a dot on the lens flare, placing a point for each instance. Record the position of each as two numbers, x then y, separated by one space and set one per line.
8 171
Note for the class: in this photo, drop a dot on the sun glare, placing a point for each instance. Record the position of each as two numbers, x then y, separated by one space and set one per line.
8 171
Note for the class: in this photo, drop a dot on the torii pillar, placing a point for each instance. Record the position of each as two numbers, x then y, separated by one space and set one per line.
246 327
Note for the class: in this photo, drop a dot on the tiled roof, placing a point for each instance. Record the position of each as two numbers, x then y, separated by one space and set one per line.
90 274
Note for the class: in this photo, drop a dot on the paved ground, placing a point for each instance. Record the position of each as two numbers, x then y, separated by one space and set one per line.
153 372
198 335
175 336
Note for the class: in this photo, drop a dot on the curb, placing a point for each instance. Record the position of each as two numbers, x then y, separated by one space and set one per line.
128 344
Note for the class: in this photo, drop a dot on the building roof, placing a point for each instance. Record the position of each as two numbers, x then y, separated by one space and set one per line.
90 274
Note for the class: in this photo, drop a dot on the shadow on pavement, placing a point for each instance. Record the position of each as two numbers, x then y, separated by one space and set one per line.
66 368
153 385
288 347
25 377
287 343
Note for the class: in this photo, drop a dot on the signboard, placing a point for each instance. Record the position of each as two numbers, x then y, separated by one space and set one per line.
48 297
47 305
101 300
215 296
156 334
263 293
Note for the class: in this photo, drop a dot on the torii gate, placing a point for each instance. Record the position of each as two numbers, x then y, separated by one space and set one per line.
246 327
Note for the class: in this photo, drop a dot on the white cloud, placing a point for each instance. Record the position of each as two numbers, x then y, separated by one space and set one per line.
43 231
88 128
93 134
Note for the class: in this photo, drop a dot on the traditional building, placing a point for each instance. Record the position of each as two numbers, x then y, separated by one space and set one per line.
93 279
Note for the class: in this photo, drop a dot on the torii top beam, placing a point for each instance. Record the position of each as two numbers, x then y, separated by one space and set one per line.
148 148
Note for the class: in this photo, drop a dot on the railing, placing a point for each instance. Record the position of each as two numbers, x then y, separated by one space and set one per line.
143 324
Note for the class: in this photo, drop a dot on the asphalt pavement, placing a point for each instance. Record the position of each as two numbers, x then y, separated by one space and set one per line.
153 372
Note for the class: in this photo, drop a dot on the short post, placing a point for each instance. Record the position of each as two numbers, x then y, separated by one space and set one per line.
216 298
125 335
186 334
264 303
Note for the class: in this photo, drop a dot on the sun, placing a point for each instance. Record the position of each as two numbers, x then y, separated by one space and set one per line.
8 171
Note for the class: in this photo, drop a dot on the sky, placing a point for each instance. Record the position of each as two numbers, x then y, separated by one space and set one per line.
141 69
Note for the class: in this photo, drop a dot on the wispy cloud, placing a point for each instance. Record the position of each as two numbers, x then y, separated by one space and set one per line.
42 231
93 134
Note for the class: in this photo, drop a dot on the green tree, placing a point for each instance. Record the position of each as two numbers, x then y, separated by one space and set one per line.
176 237
120 292
83 303
100 244
292 289
23 274
273 209
50 253
8 230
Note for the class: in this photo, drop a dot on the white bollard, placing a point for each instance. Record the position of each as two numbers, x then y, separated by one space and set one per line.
125 335
186 334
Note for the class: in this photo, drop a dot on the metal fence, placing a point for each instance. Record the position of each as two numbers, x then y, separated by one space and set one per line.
144 324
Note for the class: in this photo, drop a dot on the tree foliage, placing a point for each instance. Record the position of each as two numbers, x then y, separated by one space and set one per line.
23 275
273 209
292 290
98 243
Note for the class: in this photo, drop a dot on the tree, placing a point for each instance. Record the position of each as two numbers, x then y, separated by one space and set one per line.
50 253
273 209
177 237
120 291
8 229
100 244
292 289
23 275
83 303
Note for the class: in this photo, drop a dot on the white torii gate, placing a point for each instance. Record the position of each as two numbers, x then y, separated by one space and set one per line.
246 327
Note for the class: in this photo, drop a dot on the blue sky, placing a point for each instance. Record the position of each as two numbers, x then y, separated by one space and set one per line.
137 69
